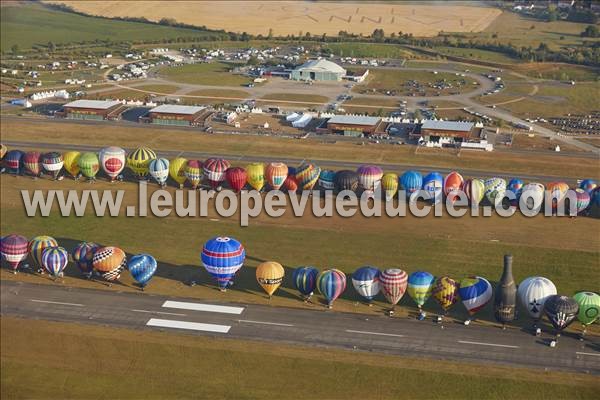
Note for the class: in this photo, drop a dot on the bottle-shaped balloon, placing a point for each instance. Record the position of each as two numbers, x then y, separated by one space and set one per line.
505 297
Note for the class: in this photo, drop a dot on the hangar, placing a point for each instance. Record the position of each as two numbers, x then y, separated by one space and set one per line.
93 109
353 125
169 114
318 70
433 130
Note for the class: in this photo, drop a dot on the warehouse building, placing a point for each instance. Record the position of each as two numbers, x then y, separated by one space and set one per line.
353 125
168 114
454 131
93 110
318 70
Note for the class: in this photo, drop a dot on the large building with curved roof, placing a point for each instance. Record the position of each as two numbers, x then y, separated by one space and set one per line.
318 70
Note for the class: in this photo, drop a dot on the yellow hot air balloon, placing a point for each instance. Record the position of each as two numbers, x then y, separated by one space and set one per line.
71 163
139 160
256 175
389 184
177 170
445 292
269 275
3 150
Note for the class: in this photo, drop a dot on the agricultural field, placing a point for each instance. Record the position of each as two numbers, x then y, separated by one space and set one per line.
476 54
299 18
370 50
231 93
297 97
209 74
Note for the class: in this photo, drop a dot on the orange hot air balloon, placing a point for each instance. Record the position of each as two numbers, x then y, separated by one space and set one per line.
276 173
452 184
558 191
109 262
269 275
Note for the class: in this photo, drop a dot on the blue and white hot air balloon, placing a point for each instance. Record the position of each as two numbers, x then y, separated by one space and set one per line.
159 170
326 179
588 185
54 260
411 181
142 268
475 292
222 257
305 280
366 282
433 183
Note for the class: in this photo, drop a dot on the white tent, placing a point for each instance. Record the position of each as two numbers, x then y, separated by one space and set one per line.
303 121
292 117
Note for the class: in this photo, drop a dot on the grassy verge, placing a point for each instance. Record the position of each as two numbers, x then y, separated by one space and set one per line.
308 98
211 74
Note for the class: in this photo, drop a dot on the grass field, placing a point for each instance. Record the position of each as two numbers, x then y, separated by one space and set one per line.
559 72
476 54
372 50
299 97
119 359
211 74
168 89
220 93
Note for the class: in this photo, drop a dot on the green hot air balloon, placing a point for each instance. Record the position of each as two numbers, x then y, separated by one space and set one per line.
89 164
589 308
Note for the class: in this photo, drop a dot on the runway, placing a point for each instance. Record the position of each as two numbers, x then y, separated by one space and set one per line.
317 328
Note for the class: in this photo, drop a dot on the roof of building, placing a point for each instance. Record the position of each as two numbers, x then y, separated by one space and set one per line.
322 66
447 125
99 104
353 120
176 109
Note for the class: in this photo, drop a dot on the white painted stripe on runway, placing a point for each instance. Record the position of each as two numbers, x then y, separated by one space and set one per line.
202 307
194 326
263 322
588 354
489 344
57 302
160 312
374 333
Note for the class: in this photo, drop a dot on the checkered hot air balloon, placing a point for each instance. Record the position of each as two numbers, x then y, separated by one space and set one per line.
109 262
305 280
193 172
222 257
112 161
475 293
14 161
14 250
393 284
331 284
236 178
307 176
445 292
215 170
142 268
275 174
55 260
138 161
159 170
366 282
53 163
32 160
83 256
37 245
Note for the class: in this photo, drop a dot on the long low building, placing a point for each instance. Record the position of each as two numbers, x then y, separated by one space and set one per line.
169 114
432 130
353 125
93 109
318 70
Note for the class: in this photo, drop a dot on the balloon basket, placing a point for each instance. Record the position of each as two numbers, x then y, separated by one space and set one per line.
553 343
538 332
439 319
467 322
421 316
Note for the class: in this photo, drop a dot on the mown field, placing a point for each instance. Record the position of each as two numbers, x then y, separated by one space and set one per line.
210 74
299 97
78 361
371 50
476 54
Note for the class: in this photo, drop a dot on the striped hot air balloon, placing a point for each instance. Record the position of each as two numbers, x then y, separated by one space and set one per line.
366 282
109 262
475 293
193 172
37 245
236 178
142 268
275 174
256 175
138 161
14 161
53 163
331 284
389 184
222 257
305 280
433 183
159 170
71 163
419 287
14 250
453 183
583 200
88 165
369 177
326 179
393 284
269 275
411 182
445 292
307 176
83 256
177 170
215 170
55 260
346 180
474 189
32 161
112 161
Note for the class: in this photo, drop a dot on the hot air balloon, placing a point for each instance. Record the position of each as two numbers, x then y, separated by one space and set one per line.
307 176
433 183
516 186
214 170
369 177
236 178
193 172
89 165
588 185
583 200
37 245
138 161
346 180
532 294
419 288
558 192
453 183
475 293
14 250
505 297
112 161
393 285
223 257
275 174
83 256
474 189
533 195
14 161
589 308
32 161
53 163
445 292
411 182
256 175
290 184
109 262
366 282
71 160
305 280
596 196
561 311
331 284
326 179
494 188
177 170
55 260
269 275
159 170
3 150
389 184
142 268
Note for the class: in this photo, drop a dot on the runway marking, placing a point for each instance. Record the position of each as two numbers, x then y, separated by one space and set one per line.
202 307
159 312
588 354
194 326
263 322
489 344
374 333
57 302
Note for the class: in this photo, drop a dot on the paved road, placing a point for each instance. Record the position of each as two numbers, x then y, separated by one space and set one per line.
241 158
319 327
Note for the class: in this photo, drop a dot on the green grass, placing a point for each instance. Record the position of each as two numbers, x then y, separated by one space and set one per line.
372 50
27 25
219 93
476 54
299 97
382 80
211 74
60 360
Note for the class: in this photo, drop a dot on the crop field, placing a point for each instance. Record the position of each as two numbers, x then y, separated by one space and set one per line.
210 74
288 17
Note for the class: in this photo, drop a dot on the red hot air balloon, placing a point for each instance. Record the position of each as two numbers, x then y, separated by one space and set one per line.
452 184
236 177
32 160
214 170
14 249
290 183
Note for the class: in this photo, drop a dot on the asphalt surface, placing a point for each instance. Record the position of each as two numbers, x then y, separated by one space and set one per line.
319 327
